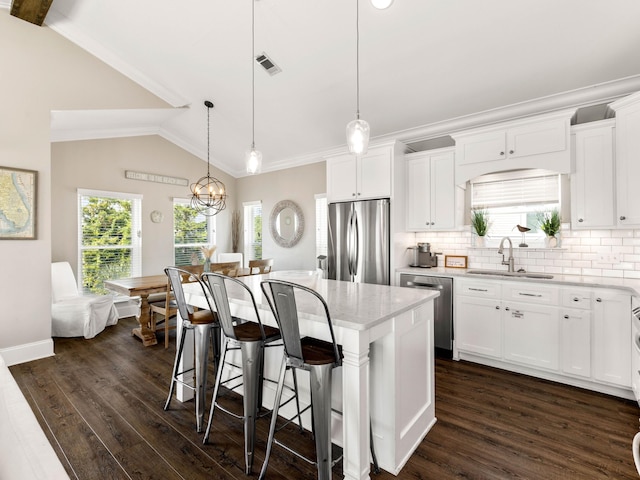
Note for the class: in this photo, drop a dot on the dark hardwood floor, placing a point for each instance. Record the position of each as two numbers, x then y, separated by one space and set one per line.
100 403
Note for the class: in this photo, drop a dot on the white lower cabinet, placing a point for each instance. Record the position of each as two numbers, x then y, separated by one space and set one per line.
611 334
479 325
531 334
576 335
575 344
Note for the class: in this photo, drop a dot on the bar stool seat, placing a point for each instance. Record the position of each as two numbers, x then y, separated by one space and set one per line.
205 326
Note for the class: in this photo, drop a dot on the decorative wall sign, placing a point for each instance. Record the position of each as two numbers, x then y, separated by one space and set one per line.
152 177
18 203
455 261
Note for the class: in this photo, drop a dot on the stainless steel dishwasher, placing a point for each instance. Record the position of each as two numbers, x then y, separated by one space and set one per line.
442 308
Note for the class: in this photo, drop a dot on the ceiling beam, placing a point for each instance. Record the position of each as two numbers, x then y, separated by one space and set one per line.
32 11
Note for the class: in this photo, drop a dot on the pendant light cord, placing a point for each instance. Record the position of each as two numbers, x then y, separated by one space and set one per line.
357 59
208 136
253 74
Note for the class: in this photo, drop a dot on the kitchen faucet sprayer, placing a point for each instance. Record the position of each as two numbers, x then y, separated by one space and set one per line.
510 261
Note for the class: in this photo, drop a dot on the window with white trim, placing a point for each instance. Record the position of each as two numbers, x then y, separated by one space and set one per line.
252 230
191 232
515 198
109 238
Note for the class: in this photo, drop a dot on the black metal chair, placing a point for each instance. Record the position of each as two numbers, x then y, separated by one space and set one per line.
205 325
250 337
318 357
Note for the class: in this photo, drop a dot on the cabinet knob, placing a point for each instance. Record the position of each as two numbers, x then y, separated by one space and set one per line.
566 316
497 307
511 152
576 299
506 308
359 194
353 194
580 220
598 300
433 223
501 153
622 217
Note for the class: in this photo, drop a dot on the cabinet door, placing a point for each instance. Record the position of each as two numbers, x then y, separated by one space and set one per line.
531 334
592 188
418 196
576 342
443 199
536 138
341 178
627 165
611 337
483 147
374 174
478 326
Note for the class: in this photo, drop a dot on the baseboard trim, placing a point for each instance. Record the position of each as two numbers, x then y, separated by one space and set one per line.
27 352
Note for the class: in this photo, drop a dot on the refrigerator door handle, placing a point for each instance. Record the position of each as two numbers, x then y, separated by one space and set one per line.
349 243
356 256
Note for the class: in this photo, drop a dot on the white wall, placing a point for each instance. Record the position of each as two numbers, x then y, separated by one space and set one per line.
100 165
41 71
299 185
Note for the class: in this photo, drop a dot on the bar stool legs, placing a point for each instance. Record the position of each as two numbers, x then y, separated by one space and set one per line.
320 377
252 353
203 333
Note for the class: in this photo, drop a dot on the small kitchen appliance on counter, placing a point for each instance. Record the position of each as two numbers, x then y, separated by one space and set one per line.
422 256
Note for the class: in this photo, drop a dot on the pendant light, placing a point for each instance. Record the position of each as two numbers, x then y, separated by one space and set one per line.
253 158
208 193
358 129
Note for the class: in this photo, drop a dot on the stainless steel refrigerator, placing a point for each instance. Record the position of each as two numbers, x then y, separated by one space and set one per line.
359 241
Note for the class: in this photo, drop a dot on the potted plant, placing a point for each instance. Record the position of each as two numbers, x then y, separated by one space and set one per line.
549 223
480 224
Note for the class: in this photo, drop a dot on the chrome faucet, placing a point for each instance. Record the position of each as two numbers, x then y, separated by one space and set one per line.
510 260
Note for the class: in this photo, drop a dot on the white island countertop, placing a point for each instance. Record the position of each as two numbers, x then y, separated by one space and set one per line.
631 285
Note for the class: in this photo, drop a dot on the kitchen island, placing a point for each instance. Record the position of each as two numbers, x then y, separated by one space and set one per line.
386 334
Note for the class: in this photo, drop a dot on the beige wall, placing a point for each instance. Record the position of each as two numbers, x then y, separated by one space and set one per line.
41 71
299 185
100 165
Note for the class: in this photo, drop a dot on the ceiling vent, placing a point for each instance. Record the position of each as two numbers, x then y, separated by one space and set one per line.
268 64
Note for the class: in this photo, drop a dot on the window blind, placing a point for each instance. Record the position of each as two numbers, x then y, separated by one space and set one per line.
253 230
321 225
498 191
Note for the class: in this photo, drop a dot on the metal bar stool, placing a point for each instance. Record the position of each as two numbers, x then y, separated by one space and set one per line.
250 337
205 326
318 357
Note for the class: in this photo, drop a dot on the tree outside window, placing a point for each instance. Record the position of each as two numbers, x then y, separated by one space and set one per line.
191 230
109 246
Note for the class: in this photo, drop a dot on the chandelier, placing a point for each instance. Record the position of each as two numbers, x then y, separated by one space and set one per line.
208 194
358 129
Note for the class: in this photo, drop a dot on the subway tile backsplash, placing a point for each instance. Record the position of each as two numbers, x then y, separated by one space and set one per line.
601 253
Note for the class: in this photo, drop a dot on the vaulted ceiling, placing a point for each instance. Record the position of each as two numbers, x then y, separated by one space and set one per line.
421 62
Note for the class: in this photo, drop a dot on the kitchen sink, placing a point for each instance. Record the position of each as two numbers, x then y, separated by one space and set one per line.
502 273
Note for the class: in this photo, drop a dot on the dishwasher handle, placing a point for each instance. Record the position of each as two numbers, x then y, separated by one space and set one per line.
430 286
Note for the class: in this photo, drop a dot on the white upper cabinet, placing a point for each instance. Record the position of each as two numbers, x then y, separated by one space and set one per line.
592 182
627 164
535 142
359 178
433 200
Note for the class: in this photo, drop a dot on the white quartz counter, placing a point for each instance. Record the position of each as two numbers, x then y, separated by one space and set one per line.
630 285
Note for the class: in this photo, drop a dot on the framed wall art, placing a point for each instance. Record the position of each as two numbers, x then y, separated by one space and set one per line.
18 190
455 261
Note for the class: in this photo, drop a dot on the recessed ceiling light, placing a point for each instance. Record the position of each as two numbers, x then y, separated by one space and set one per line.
381 4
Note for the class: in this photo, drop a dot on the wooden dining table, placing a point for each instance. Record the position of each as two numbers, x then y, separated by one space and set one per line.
142 287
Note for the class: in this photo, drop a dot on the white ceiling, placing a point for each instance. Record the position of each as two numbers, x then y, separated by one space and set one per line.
421 62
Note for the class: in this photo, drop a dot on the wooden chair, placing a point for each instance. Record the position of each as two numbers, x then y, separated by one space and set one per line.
230 269
166 306
257 267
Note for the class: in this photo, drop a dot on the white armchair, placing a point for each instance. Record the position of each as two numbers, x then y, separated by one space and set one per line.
75 315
